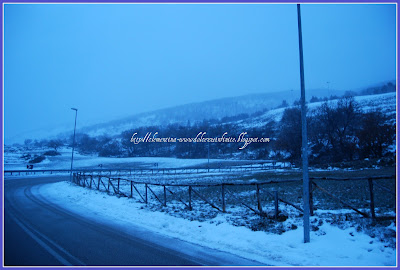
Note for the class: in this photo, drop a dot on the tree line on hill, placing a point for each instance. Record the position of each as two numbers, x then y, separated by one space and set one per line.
337 132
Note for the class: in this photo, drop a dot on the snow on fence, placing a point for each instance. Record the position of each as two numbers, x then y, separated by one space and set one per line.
210 193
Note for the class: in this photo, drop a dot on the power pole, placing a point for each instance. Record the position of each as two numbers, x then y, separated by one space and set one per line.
304 148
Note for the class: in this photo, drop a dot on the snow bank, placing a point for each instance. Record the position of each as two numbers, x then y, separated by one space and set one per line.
330 246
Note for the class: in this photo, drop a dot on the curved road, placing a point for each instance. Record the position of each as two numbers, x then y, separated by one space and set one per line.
40 233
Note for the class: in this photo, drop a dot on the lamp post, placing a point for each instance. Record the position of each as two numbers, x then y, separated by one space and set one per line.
73 144
304 148
208 156
208 148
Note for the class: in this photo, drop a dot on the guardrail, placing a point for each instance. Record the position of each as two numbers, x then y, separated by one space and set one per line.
152 171
34 172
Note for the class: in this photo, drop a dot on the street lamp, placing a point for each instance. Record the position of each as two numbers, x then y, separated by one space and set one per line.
208 148
208 163
73 144
304 148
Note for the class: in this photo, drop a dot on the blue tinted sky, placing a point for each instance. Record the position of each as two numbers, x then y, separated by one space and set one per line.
117 60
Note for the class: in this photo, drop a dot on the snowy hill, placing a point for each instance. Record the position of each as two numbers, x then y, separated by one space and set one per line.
195 112
212 109
384 102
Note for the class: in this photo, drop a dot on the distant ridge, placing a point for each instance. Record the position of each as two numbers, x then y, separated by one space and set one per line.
193 112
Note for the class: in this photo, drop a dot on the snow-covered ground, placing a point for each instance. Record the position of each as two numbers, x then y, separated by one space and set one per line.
13 161
329 246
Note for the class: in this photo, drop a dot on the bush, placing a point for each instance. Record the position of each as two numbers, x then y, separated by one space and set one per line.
37 159
52 153
55 144
26 156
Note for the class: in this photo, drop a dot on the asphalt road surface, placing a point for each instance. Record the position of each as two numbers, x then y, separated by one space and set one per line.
39 233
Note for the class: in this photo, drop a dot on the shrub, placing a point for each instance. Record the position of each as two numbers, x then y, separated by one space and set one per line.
26 156
37 159
52 153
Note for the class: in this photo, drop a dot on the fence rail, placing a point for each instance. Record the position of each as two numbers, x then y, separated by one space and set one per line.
112 184
371 183
164 192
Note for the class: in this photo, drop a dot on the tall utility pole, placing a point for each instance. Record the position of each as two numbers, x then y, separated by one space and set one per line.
304 148
73 145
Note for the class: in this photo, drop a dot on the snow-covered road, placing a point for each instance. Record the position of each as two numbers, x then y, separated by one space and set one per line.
45 225
330 245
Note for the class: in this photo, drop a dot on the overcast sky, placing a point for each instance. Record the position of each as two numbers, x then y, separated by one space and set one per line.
115 60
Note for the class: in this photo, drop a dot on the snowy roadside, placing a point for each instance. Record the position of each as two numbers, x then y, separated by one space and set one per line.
13 161
334 247
23 175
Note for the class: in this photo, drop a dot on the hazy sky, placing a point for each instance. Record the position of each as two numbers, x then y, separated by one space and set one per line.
113 60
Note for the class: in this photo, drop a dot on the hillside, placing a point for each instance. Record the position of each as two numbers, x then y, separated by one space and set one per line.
196 112
384 102
252 109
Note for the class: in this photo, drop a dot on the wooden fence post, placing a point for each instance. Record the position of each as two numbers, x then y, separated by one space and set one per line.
118 184
276 204
371 194
190 198
223 198
108 186
258 198
311 199
98 183
91 179
131 189
145 186
165 196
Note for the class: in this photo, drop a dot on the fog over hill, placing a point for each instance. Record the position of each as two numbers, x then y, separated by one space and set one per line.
193 112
